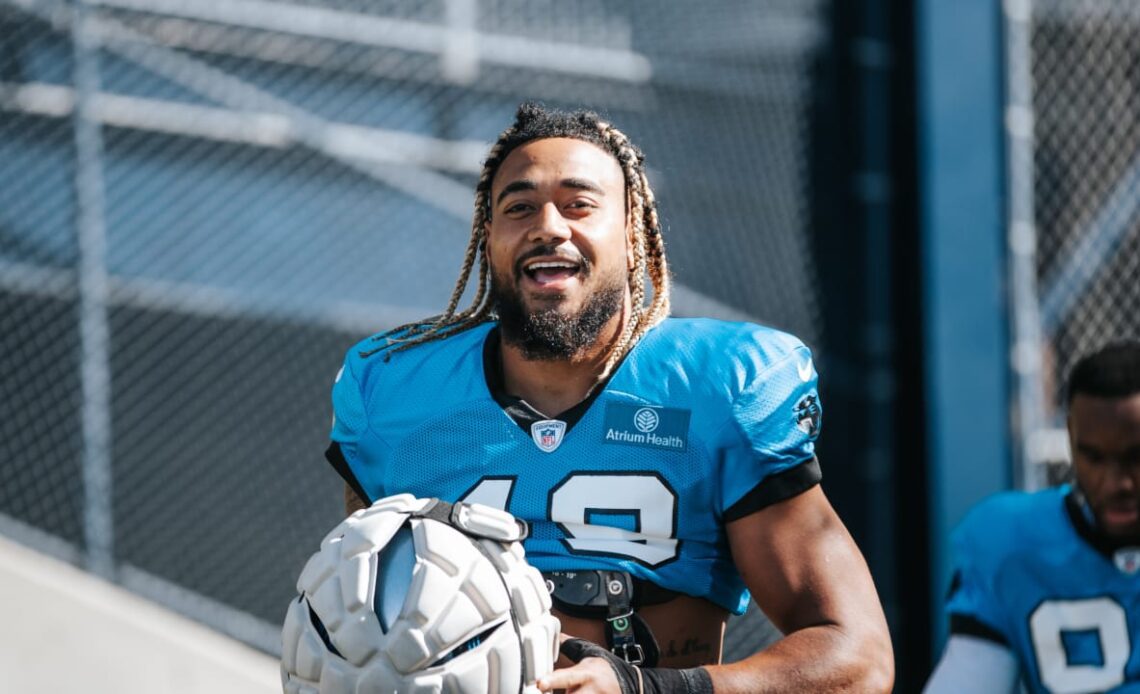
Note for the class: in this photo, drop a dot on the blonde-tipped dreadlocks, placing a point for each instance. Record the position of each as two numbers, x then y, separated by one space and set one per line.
534 122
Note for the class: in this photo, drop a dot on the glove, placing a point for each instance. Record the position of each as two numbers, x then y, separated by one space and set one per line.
635 680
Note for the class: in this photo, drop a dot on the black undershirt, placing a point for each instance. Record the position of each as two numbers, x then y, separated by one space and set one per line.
516 408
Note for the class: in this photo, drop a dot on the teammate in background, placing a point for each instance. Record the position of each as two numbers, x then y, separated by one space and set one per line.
665 467
1046 588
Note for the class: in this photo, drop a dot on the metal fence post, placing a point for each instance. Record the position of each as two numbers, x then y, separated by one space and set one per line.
95 372
1026 323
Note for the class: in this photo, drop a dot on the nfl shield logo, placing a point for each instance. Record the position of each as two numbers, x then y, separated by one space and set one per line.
1127 559
547 434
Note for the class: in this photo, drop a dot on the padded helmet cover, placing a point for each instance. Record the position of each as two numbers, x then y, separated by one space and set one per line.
414 595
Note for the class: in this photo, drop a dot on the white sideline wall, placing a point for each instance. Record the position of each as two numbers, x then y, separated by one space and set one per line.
65 631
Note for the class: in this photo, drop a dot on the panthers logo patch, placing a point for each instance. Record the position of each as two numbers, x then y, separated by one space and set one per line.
807 415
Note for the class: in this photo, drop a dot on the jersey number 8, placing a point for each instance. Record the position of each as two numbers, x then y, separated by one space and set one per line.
1102 617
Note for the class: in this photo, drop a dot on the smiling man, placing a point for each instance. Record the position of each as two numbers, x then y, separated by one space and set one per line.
1046 588
665 467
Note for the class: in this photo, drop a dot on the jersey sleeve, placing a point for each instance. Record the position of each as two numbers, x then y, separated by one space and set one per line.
974 665
348 424
972 605
775 420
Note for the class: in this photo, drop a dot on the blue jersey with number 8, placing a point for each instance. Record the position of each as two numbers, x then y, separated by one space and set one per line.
1028 576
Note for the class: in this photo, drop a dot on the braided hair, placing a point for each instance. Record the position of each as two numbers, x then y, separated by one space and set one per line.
535 122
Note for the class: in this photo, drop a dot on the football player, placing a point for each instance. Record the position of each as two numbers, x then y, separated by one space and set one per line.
1045 588
665 467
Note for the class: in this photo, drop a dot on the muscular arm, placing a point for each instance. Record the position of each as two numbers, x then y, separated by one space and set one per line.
808 576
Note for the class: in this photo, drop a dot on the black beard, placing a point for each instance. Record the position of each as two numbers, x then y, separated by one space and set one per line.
547 334
1093 522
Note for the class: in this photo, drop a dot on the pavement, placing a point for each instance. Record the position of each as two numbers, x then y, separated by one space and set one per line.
66 631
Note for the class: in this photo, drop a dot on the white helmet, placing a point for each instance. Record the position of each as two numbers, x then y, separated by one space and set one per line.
418 595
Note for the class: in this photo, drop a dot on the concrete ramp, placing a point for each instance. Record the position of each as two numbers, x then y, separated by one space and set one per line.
67 631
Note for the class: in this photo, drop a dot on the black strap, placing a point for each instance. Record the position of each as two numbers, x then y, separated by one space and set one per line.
619 617
579 593
613 596
447 512
437 510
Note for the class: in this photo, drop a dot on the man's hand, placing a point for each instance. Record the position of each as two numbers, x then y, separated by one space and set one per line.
590 674
597 670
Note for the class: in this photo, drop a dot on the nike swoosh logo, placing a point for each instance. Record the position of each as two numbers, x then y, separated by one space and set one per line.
804 370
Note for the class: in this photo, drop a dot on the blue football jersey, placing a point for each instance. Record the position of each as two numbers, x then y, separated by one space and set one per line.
703 422
1032 575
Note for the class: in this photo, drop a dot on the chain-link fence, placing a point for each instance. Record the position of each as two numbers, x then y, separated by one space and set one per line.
1081 88
205 202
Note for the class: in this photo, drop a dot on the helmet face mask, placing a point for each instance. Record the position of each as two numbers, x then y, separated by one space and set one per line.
415 596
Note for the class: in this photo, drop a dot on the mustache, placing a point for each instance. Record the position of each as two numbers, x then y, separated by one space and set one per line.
551 251
1120 501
